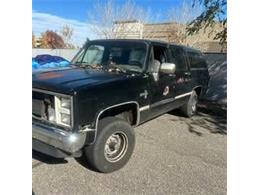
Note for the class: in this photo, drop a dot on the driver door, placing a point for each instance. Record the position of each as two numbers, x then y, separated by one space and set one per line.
161 84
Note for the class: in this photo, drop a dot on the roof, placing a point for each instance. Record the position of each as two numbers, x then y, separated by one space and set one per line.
129 40
145 41
136 40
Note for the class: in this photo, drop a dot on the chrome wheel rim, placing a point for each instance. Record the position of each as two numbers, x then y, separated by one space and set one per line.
194 105
116 146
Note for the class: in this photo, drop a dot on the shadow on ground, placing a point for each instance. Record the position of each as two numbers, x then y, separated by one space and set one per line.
42 158
83 161
214 120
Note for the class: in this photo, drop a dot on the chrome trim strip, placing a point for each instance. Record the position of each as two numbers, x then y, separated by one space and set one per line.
86 129
183 95
147 107
165 101
66 141
198 69
121 104
50 92
117 105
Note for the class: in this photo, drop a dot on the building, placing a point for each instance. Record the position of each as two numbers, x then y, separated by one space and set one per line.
169 32
132 29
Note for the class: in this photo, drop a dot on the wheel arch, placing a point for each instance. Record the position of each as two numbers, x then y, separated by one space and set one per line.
101 114
116 109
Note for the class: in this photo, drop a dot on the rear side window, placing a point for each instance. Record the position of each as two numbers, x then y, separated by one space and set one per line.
196 60
178 57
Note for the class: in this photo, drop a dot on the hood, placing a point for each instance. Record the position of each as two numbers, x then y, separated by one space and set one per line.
72 79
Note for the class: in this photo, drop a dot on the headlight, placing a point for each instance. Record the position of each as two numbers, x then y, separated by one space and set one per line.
65 118
65 103
62 111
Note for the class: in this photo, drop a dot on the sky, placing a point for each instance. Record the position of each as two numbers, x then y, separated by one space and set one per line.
53 14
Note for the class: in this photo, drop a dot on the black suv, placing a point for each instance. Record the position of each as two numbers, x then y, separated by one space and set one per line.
91 107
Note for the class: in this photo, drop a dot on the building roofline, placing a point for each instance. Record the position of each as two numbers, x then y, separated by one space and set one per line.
126 21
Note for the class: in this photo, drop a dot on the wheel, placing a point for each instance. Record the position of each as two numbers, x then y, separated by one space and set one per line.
113 147
190 108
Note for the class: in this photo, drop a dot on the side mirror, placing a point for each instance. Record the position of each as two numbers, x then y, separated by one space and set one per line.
168 68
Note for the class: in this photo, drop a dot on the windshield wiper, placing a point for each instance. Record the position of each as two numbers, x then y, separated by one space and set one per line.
85 65
93 66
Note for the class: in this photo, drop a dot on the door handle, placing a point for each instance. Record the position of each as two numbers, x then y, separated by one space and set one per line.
187 74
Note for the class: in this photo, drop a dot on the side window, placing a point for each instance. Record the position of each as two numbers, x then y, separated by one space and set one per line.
178 58
192 59
157 57
127 56
160 53
202 61
197 60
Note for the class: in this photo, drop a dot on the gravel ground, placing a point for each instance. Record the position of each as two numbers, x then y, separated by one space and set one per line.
173 155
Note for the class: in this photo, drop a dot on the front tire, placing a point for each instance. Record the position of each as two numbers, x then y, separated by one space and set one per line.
190 108
113 147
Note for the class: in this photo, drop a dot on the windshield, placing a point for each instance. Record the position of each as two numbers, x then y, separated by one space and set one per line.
124 56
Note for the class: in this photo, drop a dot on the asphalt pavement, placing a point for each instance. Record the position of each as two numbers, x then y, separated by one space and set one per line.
173 155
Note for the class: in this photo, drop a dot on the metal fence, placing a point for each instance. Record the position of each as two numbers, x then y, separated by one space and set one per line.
68 54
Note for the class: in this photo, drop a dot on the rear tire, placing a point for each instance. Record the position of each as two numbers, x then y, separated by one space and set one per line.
190 108
113 147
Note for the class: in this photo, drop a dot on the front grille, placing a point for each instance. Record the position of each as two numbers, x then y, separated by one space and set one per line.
38 108
44 105
40 104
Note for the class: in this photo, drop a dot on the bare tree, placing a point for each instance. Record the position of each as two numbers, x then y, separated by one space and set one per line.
108 18
33 41
181 15
67 32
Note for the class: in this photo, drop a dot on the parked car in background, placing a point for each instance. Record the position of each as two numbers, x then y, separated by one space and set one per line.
46 61
91 107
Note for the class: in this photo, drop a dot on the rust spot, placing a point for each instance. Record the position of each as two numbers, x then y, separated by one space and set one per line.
49 75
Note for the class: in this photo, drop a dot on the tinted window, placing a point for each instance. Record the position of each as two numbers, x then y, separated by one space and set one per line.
178 58
196 60
157 57
127 56
107 54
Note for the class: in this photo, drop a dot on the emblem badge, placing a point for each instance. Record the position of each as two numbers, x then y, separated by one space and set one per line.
144 94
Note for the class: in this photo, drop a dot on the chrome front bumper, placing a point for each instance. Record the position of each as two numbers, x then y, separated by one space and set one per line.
66 141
